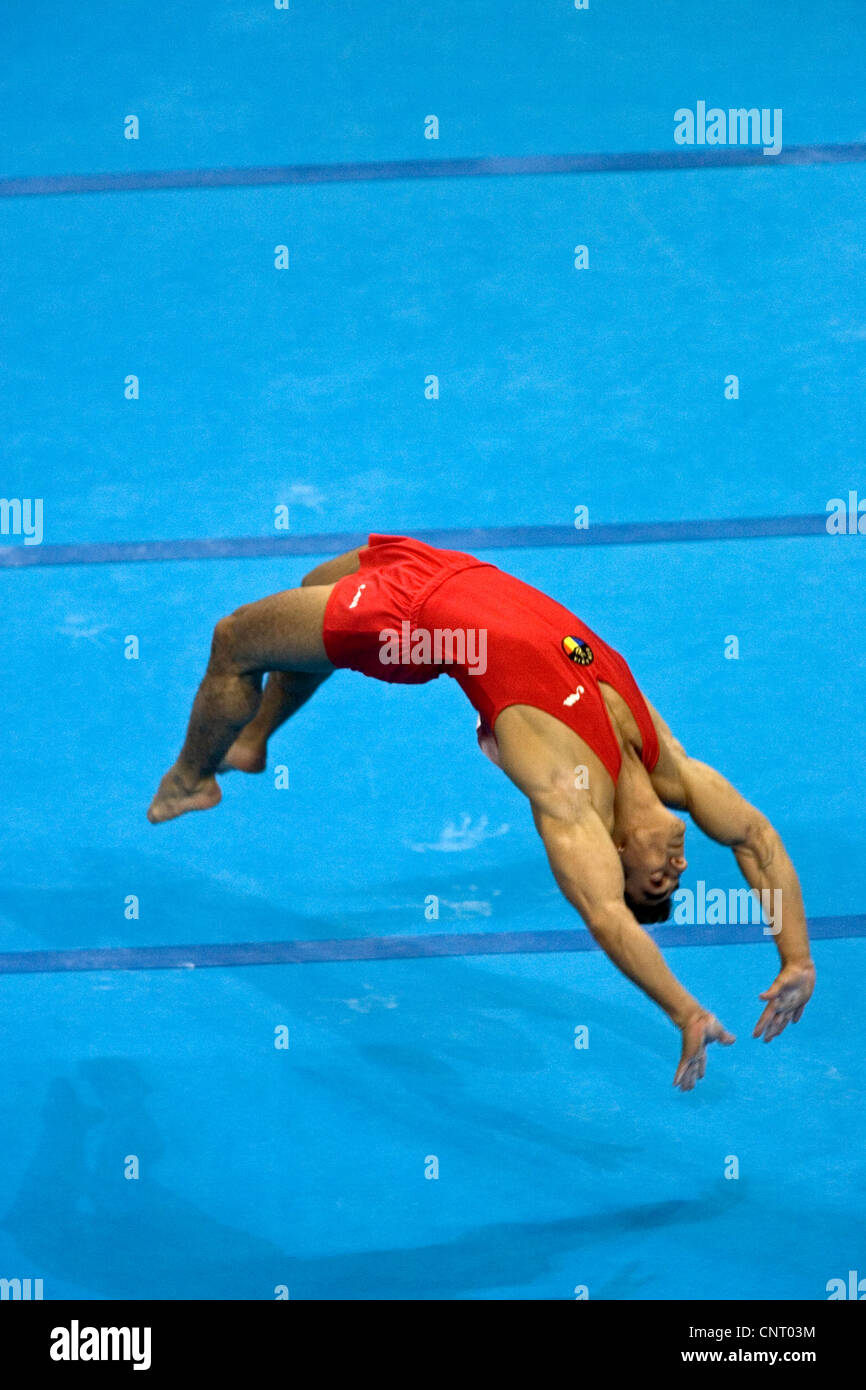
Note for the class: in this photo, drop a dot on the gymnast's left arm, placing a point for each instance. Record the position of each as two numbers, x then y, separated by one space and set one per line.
728 818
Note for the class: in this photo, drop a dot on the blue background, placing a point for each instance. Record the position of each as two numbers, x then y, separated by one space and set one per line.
605 387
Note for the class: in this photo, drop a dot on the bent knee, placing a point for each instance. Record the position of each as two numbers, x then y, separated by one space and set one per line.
223 643
332 570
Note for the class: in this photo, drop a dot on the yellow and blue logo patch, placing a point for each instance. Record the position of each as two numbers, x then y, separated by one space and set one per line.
577 650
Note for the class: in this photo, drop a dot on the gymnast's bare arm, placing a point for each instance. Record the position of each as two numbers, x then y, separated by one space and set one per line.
589 873
725 816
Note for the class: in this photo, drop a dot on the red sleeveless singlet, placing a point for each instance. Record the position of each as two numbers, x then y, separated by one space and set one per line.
413 612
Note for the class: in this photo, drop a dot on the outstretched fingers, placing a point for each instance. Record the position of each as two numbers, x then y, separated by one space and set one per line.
773 1021
784 1005
691 1071
696 1036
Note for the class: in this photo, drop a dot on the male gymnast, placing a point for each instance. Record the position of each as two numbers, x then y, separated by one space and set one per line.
560 713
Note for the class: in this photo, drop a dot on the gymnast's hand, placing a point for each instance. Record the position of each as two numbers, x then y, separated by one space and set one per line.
786 999
700 1029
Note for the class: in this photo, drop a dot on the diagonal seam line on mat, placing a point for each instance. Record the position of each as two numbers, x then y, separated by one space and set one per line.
639 161
348 949
455 538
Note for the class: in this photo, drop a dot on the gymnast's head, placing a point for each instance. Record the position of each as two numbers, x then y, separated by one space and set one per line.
652 862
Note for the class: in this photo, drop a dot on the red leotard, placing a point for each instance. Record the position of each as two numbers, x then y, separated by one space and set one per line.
406 587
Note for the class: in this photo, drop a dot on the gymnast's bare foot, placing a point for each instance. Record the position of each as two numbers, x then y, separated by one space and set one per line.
245 755
179 792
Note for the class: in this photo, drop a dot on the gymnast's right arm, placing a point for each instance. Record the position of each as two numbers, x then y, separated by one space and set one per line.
588 871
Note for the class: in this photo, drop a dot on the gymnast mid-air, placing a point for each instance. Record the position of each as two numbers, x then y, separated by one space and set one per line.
559 712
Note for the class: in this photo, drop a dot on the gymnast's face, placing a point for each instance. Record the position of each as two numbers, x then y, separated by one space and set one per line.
653 860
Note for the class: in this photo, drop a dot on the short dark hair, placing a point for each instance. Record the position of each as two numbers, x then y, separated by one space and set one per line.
647 913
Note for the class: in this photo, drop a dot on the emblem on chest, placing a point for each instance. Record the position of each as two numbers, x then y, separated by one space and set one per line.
577 650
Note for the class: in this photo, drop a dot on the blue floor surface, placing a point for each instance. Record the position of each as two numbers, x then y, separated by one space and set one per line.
303 1167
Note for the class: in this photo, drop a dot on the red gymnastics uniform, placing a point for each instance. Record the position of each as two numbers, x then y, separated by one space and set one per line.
413 612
